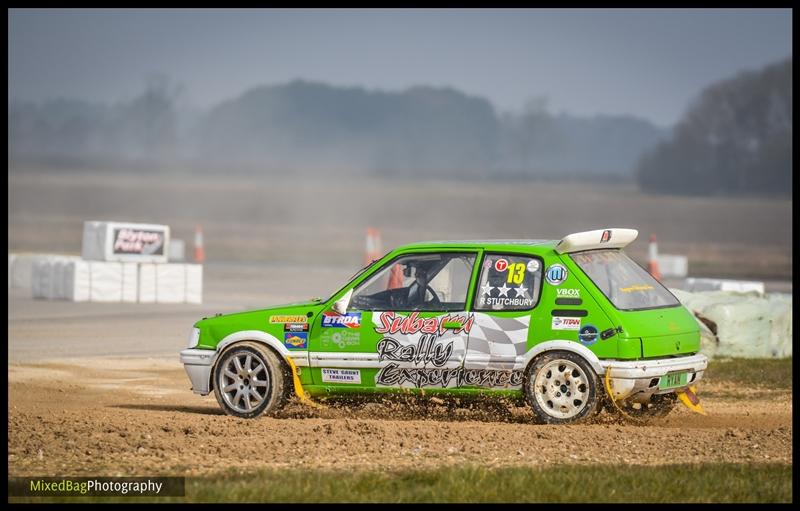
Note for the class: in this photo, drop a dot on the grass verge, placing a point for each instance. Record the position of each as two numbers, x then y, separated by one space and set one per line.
569 483
773 373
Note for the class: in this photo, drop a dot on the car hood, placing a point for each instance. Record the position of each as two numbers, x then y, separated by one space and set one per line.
302 307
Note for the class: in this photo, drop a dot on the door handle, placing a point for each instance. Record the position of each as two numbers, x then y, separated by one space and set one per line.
455 325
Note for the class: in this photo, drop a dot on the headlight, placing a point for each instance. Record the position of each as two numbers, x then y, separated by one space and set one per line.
194 338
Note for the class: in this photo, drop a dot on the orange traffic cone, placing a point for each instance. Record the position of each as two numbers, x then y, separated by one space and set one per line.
373 249
652 258
199 251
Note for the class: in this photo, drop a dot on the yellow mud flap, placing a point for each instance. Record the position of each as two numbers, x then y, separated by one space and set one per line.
298 387
690 399
607 384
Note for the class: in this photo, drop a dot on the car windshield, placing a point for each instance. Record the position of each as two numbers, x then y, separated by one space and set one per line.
626 284
352 278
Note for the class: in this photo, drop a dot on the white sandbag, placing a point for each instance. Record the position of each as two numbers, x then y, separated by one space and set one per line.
45 277
130 282
58 279
170 283
105 281
42 278
76 281
127 242
194 283
147 283
740 286
22 268
747 324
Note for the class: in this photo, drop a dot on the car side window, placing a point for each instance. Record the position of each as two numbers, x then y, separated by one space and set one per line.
508 283
418 282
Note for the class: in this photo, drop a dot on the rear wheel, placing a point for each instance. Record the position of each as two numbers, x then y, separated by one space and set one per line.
562 388
249 381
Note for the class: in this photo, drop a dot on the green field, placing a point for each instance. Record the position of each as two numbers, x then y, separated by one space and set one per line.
569 483
771 373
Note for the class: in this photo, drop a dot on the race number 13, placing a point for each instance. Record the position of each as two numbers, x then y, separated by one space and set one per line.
516 273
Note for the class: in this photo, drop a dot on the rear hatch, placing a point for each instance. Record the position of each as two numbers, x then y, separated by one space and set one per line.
644 308
664 332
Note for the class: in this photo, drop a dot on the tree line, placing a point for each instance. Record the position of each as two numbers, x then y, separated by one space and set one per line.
421 131
735 139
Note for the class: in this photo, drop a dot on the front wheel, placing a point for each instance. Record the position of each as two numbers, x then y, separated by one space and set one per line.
562 388
249 381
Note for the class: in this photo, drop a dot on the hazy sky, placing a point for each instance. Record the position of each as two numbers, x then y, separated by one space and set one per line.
648 63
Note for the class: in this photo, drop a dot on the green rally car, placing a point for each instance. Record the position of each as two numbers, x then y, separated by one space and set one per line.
569 325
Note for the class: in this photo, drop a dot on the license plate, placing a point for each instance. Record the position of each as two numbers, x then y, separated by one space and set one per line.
672 380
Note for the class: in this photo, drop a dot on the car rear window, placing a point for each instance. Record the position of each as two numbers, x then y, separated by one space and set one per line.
626 284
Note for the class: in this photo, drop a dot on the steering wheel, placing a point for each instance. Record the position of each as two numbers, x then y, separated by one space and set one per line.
436 300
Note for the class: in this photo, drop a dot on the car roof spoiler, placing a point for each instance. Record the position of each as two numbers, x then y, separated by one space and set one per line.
591 240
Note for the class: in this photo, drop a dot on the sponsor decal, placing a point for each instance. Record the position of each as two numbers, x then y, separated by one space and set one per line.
394 375
295 340
507 302
568 293
588 334
348 320
428 351
283 318
564 323
556 274
520 298
514 275
432 353
341 375
606 236
295 327
637 287
339 339
392 323
138 241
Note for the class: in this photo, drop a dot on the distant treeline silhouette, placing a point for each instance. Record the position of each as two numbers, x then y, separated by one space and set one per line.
422 131
735 139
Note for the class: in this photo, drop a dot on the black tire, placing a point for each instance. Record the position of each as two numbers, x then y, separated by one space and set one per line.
240 400
579 385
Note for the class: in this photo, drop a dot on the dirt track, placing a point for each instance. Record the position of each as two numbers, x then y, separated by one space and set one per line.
137 416
131 412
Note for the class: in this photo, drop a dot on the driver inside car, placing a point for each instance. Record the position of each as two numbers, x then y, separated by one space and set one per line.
421 280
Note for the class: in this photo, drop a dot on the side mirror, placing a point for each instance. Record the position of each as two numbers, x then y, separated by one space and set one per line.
340 305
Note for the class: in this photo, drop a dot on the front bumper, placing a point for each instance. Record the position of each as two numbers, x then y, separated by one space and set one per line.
638 380
198 365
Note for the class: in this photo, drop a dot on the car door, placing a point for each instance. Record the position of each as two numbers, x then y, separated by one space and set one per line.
506 293
406 325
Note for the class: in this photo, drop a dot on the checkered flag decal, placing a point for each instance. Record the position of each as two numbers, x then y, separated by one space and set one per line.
495 342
